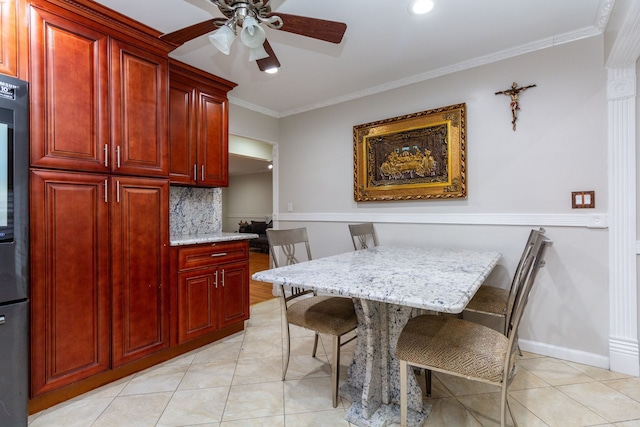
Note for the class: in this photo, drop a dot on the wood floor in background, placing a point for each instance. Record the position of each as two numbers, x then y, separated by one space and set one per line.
259 291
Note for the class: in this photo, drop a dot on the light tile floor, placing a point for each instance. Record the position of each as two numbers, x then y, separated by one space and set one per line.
236 383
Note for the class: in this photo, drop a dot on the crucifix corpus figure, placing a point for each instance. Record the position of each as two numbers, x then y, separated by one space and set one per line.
513 93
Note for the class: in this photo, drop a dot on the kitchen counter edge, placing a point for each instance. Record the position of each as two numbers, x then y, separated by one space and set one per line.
194 239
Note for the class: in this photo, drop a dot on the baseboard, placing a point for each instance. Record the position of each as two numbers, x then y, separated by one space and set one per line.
623 354
564 353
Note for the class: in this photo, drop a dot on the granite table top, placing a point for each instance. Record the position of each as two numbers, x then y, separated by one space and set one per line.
442 280
194 239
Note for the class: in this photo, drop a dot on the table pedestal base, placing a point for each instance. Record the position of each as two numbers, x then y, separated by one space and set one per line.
385 415
373 385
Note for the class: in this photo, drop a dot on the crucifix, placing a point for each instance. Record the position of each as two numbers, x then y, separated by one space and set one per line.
513 93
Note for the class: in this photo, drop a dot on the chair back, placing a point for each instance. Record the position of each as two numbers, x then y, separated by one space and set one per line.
534 237
526 279
363 235
288 241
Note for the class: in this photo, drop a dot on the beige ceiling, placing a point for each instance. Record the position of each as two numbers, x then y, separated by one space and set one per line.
384 46
240 165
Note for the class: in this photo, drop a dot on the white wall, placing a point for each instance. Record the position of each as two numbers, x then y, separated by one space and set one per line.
248 197
247 147
250 124
523 178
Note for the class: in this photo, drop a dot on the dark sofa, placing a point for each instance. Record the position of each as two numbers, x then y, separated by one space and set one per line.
259 228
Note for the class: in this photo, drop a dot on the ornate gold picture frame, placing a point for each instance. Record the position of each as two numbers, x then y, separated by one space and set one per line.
417 156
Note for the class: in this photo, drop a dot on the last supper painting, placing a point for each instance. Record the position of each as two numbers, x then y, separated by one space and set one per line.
416 156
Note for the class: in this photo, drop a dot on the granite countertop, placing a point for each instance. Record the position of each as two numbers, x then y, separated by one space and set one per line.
193 239
443 280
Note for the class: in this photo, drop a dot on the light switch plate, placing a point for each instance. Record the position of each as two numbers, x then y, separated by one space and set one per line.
583 199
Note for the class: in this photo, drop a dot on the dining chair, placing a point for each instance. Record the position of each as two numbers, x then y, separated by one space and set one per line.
363 235
328 315
498 302
466 349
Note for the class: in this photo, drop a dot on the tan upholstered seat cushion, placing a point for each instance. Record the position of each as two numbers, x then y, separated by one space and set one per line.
324 314
455 345
490 300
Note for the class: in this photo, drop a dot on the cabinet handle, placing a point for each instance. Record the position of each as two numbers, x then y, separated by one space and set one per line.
118 156
106 192
216 282
202 173
106 155
195 172
223 278
118 191
219 254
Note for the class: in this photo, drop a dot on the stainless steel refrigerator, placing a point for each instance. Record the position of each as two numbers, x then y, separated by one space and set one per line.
14 251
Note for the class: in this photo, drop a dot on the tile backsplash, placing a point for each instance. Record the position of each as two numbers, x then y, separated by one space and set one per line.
195 210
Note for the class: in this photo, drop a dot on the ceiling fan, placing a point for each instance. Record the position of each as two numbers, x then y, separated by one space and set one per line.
248 15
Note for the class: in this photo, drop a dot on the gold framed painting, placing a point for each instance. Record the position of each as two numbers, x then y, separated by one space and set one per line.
417 156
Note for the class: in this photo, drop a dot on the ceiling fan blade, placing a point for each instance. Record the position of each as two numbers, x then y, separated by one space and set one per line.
191 32
269 62
329 31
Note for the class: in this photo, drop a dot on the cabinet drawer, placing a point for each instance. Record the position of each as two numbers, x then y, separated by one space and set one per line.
207 254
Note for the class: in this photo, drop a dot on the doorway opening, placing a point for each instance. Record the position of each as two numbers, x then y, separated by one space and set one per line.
249 198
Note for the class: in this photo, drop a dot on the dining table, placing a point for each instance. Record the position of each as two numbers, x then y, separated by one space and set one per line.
388 285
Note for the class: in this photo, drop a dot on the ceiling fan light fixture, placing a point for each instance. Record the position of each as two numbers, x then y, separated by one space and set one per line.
222 38
272 70
420 7
252 34
257 14
256 53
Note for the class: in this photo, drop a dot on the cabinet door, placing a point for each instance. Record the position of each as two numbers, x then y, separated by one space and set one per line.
69 96
139 254
213 146
234 293
197 303
70 306
9 38
139 84
182 133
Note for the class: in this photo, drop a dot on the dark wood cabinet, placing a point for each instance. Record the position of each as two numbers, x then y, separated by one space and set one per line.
8 38
70 300
212 140
99 104
138 111
139 270
69 94
183 161
101 289
12 50
234 293
212 287
198 127
86 229
197 303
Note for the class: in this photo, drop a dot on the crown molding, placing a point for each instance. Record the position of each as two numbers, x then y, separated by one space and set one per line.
461 66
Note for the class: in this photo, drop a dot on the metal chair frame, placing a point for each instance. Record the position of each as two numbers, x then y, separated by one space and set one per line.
505 312
287 240
361 234
530 269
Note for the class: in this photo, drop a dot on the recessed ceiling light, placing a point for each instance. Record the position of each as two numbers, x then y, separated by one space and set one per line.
420 7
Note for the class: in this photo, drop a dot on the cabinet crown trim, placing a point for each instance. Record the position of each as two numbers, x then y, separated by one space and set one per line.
129 28
177 68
